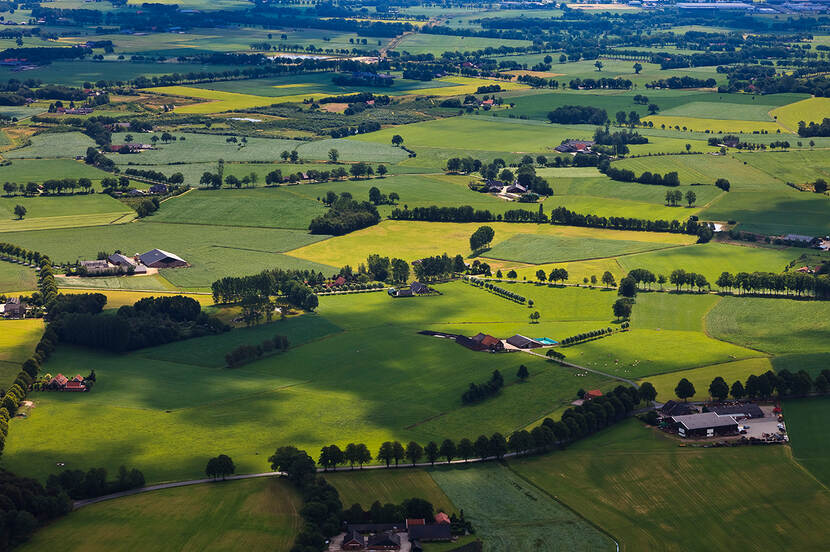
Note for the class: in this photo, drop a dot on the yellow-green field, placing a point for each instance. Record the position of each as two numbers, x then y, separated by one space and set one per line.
254 514
714 125
388 486
812 109
65 221
466 85
415 240
703 376
218 101
18 339
119 298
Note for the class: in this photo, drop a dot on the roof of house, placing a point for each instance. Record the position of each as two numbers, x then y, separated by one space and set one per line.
100 263
798 237
119 259
593 393
748 410
155 255
374 527
353 536
60 379
140 269
384 539
415 521
435 531
674 408
418 287
490 341
441 517
404 293
75 385
521 341
705 420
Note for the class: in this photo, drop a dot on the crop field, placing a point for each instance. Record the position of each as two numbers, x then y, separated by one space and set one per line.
721 111
810 442
257 514
414 240
18 339
702 124
456 86
703 169
703 376
534 249
65 144
438 44
213 251
479 134
150 282
261 207
625 480
775 212
218 101
809 110
320 83
62 212
38 170
353 399
799 166
710 259
15 277
75 73
388 486
785 327
207 148
511 513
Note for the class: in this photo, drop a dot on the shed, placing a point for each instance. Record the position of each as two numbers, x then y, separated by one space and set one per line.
707 424
739 411
674 408
418 287
384 541
432 532
523 342
121 260
158 258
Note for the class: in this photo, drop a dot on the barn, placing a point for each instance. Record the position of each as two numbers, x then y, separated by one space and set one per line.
158 258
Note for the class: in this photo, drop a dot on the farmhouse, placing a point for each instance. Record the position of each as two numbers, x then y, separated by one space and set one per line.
352 541
418 288
575 146
441 517
62 383
480 342
95 267
522 342
158 258
674 408
707 424
14 308
592 394
384 541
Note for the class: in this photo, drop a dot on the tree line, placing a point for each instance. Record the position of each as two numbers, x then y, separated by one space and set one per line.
501 292
345 215
249 353
671 178
290 286
477 392
81 485
784 383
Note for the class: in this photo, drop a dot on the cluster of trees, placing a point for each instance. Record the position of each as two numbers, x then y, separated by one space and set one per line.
812 128
437 267
481 238
97 159
618 139
587 336
249 353
80 485
622 308
345 215
488 89
561 215
578 114
506 293
255 292
679 278
150 321
25 505
477 392
556 275
601 83
383 269
769 283
783 383
157 176
363 79
624 175
682 82
378 198
674 197
362 128
411 508
220 466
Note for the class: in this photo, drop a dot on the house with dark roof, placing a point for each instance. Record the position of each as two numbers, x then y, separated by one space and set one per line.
739 411
394 292
522 342
575 146
418 288
121 260
95 267
14 308
516 188
158 189
488 342
707 424
435 532
674 408
158 258
353 541
384 541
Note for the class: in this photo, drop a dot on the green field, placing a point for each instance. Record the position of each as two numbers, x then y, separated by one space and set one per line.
212 251
18 339
388 487
650 494
257 514
799 166
305 397
704 169
53 144
703 376
774 213
438 44
67 211
510 513
38 170
805 425
15 277
535 249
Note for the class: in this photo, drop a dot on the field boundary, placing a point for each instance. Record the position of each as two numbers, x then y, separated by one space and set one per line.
668 246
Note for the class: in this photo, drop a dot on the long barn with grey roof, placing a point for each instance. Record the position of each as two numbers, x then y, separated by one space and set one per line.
158 258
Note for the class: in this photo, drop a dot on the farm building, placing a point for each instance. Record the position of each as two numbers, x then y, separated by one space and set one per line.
157 258
384 541
95 267
592 394
14 308
674 408
707 424
522 342
353 541
394 292
516 189
430 533
480 342
121 260
575 146
739 411
441 517
418 288
62 383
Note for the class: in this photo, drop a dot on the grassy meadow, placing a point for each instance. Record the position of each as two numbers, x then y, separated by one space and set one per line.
18 339
628 479
258 514
810 444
